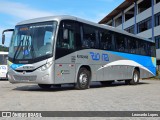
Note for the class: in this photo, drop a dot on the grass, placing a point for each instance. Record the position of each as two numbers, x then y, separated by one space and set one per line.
157 75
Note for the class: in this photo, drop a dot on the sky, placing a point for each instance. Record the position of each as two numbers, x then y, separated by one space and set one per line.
14 11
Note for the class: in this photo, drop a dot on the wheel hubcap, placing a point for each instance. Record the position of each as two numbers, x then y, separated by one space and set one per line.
135 77
83 79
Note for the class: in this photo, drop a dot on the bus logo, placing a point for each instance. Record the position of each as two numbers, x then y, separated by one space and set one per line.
98 56
3 68
95 56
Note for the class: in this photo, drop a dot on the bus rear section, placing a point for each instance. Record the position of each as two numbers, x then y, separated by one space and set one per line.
3 65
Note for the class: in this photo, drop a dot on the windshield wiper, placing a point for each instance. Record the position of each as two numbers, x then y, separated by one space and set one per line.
26 49
17 49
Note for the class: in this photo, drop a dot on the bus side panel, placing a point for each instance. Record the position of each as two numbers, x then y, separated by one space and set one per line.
87 57
65 69
96 75
145 74
115 68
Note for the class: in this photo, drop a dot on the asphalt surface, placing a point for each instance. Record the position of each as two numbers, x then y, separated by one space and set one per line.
117 97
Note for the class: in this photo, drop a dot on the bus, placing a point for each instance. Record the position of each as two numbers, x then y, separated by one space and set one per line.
3 65
65 49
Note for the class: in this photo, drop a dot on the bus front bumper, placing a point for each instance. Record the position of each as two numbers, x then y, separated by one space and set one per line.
37 77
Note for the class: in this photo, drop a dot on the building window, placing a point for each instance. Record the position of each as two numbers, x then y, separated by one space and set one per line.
144 25
157 19
110 24
129 14
130 29
157 40
144 5
118 21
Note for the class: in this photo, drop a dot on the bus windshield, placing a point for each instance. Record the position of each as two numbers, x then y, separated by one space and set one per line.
32 41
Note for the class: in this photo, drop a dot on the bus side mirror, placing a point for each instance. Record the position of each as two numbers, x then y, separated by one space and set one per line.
3 39
65 34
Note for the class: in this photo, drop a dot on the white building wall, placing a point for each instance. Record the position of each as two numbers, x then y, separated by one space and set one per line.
140 17
157 31
146 34
157 54
129 23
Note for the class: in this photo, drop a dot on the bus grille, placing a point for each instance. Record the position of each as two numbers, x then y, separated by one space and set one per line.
30 78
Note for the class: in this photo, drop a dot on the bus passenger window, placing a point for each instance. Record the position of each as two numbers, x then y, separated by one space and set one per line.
68 42
106 40
89 37
143 48
66 35
120 43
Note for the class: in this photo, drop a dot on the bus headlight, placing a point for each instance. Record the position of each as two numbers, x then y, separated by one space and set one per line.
46 66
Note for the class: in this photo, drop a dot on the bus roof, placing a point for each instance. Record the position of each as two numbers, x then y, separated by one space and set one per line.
67 17
3 53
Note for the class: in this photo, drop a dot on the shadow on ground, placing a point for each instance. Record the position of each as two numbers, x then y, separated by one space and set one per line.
67 87
3 80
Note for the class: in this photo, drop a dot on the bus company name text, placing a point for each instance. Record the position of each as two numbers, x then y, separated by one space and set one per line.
3 68
98 56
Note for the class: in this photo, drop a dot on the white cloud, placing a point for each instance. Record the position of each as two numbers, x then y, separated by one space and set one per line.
18 11
22 11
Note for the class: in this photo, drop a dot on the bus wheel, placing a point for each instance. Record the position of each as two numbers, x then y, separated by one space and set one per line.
83 79
135 78
106 83
44 86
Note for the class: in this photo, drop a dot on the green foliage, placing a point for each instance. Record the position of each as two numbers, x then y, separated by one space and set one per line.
3 48
157 75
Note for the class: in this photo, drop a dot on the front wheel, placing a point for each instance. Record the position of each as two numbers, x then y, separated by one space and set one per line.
44 86
83 79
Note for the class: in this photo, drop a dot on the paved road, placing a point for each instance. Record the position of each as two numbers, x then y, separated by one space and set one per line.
117 97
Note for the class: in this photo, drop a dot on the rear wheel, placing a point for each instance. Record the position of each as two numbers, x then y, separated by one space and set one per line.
44 86
135 78
83 79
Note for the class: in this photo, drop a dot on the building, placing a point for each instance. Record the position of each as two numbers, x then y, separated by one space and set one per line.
140 17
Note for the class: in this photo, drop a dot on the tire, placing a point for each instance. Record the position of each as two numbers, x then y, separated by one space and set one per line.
106 83
44 86
135 78
83 79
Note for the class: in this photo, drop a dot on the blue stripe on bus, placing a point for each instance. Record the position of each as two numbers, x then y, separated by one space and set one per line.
146 61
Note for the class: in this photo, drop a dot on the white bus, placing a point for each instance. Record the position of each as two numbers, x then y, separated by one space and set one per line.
3 65
64 49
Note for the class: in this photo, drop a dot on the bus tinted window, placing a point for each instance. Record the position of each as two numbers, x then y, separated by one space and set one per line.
78 38
66 35
89 37
106 40
153 49
120 42
143 47
3 59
